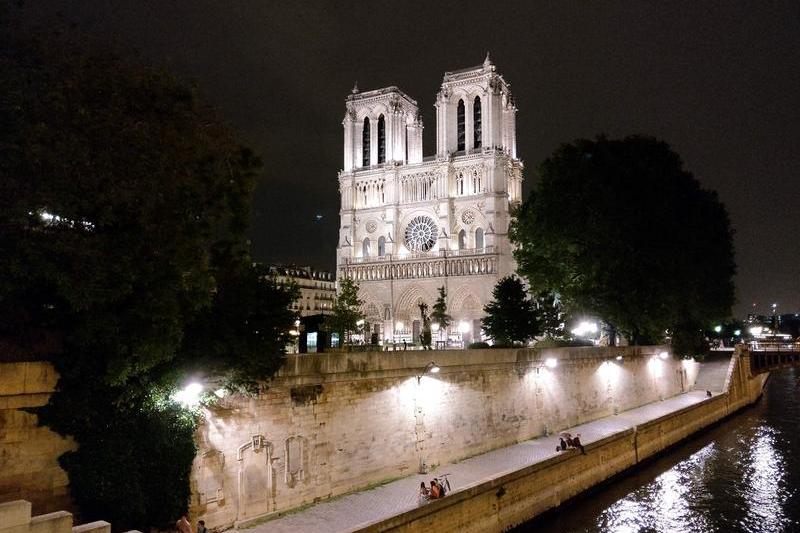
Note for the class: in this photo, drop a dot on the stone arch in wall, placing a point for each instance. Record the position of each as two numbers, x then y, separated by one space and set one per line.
406 307
466 303
256 481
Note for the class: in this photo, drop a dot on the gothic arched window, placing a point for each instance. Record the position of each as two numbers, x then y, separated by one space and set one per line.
381 139
381 246
461 126
365 144
479 238
476 121
462 239
365 248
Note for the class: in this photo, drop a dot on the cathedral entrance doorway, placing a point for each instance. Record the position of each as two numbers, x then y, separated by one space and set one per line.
415 331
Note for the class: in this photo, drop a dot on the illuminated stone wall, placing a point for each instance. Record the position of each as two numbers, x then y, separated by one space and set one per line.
28 453
333 423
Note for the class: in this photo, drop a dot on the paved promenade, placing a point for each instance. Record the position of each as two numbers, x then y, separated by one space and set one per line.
354 511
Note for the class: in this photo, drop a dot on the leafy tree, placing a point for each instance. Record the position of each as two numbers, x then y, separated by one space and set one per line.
550 314
619 229
439 314
510 316
124 204
346 310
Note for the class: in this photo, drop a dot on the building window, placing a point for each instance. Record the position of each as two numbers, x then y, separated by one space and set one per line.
365 248
476 119
461 126
381 246
479 239
381 139
462 239
365 143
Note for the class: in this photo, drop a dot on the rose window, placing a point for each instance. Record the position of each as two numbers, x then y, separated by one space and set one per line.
372 226
468 217
421 234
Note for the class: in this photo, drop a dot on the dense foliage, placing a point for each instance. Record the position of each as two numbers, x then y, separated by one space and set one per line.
439 312
346 311
124 205
620 230
510 316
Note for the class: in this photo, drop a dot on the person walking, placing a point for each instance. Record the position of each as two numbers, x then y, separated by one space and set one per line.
183 525
201 527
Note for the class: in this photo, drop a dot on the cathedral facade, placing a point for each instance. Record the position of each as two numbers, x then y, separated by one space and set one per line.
411 224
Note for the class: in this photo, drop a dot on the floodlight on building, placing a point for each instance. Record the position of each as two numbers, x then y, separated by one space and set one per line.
399 326
551 362
663 355
189 396
434 327
463 326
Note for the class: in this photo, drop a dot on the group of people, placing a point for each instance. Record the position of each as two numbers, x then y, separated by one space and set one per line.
567 441
183 526
436 491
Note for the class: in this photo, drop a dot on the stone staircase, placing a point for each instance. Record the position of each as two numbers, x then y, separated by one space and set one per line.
15 517
713 372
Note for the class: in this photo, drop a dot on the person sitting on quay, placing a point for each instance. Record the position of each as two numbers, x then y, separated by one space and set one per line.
562 444
424 493
577 443
436 492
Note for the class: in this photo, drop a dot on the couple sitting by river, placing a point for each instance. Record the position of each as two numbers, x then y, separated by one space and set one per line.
570 442
436 491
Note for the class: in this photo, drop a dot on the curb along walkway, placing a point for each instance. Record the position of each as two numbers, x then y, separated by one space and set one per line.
355 511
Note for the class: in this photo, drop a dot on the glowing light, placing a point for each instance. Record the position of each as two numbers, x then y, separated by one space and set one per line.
663 355
585 328
434 327
360 322
189 396
619 358
399 326
294 332
737 332
756 330
463 327
551 362
717 328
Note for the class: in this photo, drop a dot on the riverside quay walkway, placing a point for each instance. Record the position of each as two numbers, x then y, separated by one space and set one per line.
360 510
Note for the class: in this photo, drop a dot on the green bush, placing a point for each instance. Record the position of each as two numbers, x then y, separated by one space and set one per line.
478 345
562 343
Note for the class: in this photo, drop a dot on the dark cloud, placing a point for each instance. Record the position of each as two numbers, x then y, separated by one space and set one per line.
718 82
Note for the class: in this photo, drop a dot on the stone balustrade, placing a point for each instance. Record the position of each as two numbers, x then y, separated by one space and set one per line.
429 265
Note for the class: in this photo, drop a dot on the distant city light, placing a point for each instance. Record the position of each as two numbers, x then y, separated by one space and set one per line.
737 332
718 328
756 330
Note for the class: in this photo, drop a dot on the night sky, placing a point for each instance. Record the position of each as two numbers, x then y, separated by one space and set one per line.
721 84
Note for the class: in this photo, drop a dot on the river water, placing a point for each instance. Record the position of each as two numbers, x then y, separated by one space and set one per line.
742 475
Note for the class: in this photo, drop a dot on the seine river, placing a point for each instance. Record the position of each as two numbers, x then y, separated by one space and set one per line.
742 475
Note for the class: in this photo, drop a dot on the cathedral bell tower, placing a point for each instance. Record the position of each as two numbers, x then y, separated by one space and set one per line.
381 126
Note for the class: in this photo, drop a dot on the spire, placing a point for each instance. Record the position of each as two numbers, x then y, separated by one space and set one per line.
355 88
488 61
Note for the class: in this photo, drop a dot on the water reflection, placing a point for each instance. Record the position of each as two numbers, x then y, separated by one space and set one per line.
742 475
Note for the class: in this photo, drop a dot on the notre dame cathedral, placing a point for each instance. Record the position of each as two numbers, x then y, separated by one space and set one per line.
410 223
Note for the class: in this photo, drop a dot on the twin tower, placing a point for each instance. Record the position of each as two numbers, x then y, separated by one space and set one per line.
411 224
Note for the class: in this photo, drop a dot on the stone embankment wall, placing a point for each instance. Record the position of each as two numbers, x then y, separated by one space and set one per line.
28 453
515 498
333 423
